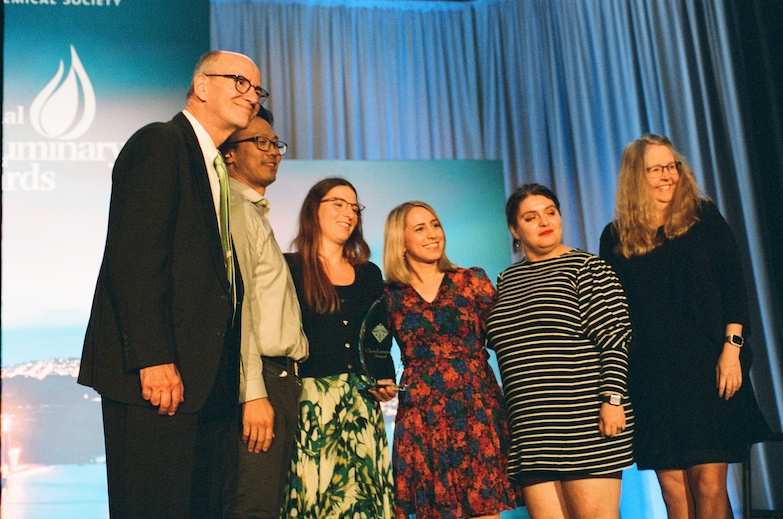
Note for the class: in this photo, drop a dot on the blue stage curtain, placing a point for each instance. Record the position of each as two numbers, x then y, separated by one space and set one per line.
555 89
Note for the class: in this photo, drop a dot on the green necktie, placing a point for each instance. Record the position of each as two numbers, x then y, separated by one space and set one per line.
225 232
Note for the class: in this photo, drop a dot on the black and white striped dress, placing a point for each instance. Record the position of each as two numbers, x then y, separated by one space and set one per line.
561 331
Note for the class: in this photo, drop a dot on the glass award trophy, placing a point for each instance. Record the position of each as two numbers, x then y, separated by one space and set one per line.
375 342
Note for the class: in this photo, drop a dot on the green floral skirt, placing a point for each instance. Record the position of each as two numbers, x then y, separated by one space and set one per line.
341 466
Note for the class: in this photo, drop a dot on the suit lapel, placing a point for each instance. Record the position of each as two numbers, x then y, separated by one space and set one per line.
200 179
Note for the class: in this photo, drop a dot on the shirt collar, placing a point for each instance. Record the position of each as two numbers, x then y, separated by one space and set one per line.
249 193
208 147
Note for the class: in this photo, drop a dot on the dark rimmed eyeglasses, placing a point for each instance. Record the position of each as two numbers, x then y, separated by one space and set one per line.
672 168
262 143
243 85
341 204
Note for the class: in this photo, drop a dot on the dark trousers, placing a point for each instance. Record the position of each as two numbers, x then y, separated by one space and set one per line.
165 466
259 485
178 466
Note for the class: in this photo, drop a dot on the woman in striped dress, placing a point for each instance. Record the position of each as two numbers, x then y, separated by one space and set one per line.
561 331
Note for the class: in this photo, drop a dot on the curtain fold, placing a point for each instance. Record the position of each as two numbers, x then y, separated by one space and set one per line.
554 89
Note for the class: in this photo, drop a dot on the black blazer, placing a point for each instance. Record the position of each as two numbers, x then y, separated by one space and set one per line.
162 295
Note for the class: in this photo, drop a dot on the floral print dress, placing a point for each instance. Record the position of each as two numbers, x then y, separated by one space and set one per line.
450 438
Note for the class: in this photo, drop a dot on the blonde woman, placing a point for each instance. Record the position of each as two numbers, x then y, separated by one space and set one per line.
450 439
679 264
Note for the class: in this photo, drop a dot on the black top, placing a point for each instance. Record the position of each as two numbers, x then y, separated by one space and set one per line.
681 295
334 336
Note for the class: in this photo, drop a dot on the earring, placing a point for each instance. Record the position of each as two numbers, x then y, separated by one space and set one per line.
516 245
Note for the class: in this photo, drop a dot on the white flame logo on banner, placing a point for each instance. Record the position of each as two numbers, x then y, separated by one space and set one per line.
54 111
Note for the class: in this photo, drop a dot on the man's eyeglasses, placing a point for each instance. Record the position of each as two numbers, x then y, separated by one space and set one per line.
341 203
263 144
656 171
243 84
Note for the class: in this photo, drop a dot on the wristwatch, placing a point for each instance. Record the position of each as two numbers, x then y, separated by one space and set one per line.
612 399
736 340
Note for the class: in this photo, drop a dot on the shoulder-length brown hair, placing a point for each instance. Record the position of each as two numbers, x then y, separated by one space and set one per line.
395 265
635 219
319 292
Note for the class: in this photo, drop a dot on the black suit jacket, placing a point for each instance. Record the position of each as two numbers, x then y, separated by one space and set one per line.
162 294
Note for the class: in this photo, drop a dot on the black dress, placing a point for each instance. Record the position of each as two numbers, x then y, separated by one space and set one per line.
681 296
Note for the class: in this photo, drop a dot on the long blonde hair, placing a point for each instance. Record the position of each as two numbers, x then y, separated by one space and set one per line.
395 266
635 219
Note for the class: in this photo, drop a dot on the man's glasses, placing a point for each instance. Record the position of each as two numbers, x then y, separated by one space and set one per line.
341 203
263 144
657 171
243 84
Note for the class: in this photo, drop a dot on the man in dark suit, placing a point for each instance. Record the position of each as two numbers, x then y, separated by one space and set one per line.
162 344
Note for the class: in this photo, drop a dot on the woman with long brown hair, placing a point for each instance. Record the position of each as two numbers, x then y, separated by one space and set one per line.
341 465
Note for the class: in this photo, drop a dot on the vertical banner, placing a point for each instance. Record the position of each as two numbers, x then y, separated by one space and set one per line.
80 76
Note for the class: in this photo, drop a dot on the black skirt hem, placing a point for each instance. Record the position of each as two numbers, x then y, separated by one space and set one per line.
683 460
